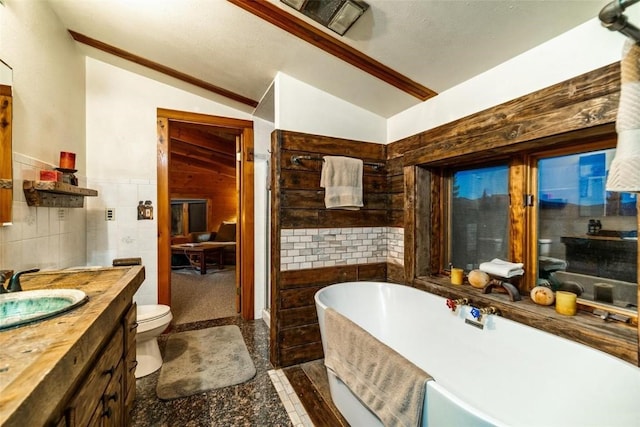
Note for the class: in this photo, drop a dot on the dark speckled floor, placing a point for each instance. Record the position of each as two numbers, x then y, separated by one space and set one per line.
253 403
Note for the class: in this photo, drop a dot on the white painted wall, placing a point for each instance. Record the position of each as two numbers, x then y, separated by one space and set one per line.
262 145
303 108
583 49
48 72
48 117
121 157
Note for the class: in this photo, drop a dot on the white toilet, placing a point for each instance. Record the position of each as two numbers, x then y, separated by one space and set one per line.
152 321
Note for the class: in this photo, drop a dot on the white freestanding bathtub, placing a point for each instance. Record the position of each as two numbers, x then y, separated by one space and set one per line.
506 374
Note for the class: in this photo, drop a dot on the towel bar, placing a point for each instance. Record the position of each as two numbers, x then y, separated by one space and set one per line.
297 160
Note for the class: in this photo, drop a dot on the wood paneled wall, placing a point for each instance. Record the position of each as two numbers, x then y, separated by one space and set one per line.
298 202
302 198
189 182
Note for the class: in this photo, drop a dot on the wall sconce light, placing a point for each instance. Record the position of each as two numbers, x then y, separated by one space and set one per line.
337 15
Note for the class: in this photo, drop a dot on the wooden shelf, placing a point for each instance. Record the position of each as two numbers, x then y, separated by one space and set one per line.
55 194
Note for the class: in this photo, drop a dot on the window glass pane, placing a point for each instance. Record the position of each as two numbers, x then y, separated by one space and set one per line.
176 219
197 217
587 236
188 212
479 216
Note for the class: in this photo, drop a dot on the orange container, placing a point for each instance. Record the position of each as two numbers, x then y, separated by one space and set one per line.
50 175
67 160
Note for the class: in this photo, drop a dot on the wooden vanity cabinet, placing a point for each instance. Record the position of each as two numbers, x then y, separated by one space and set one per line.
130 362
105 396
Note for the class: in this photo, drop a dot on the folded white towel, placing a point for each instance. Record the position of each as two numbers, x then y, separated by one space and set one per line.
342 180
501 268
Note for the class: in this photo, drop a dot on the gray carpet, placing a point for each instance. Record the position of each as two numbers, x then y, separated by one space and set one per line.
196 297
204 359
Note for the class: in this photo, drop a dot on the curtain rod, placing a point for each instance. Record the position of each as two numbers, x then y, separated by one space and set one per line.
297 160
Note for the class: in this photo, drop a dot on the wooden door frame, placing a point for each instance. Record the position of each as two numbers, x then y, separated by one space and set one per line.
245 229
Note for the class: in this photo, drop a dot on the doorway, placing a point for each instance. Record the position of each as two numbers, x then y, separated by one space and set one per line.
170 124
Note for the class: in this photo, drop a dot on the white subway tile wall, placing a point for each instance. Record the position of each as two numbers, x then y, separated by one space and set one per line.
126 236
329 247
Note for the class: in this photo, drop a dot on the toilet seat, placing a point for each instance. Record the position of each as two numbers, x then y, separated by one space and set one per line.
149 313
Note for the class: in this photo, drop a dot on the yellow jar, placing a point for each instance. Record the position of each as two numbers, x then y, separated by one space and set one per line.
566 303
457 276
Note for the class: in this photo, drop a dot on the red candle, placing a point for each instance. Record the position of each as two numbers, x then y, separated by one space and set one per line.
67 160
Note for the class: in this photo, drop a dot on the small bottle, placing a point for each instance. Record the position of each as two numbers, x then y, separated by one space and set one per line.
148 210
140 210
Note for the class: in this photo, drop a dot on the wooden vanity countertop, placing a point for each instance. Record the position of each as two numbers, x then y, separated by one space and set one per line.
41 363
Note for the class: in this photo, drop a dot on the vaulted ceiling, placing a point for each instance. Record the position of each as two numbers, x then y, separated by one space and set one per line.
436 44
197 146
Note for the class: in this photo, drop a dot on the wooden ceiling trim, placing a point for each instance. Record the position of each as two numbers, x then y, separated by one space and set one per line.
307 32
207 165
81 38
203 140
193 151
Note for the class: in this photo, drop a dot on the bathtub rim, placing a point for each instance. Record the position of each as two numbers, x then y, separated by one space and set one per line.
617 339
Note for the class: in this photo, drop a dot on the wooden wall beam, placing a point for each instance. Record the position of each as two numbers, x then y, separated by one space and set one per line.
583 103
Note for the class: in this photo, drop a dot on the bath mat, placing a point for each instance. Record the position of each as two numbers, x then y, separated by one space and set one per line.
205 359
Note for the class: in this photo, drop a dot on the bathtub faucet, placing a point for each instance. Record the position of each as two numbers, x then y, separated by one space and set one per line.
454 303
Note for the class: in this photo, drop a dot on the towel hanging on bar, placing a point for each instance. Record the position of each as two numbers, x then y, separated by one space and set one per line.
341 178
297 160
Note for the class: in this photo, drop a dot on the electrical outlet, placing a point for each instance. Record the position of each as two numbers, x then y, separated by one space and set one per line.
61 213
109 214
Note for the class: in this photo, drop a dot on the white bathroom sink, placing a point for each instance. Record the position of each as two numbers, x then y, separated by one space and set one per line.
20 308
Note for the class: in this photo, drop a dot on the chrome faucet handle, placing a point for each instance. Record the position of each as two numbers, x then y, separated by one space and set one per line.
14 282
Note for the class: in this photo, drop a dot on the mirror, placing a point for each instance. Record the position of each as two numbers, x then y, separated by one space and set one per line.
6 157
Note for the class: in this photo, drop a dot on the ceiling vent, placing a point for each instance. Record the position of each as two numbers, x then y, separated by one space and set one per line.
337 15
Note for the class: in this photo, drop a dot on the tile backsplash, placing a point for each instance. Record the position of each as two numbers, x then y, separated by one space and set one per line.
329 247
47 238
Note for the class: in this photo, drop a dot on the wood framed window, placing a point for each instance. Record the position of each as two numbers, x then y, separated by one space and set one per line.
477 223
188 216
538 207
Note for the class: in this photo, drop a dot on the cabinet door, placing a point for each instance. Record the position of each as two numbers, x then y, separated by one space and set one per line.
112 401
130 362
90 394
